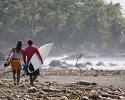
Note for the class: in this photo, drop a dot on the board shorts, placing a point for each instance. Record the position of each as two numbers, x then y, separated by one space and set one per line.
15 65
31 68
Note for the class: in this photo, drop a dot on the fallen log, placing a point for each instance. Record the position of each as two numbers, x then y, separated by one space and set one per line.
53 90
85 83
105 98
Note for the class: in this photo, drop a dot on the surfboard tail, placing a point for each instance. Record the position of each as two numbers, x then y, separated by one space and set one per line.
44 51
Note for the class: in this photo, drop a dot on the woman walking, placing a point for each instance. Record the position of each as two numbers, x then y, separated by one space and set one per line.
15 61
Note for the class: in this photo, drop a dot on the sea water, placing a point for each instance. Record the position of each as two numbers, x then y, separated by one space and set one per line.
109 63
117 63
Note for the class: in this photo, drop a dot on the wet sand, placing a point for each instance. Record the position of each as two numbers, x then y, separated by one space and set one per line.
116 78
105 81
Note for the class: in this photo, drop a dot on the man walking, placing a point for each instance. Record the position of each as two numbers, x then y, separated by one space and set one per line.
27 54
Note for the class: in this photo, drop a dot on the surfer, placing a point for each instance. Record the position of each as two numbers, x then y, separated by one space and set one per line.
15 61
28 53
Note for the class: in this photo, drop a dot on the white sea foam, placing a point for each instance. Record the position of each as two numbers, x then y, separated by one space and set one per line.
109 63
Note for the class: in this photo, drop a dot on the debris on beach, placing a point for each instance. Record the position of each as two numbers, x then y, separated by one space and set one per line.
80 90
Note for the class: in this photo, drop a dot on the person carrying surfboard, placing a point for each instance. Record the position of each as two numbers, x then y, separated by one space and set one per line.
29 51
14 60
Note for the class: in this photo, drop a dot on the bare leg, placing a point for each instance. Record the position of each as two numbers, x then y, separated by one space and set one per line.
31 80
34 78
18 77
14 77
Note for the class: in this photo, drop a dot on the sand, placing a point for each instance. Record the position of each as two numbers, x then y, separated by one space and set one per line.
116 78
105 81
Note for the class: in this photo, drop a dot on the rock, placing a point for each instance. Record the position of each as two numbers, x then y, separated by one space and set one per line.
32 90
40 94
88 64
27 97
100 63
64 64
94 95
84 83
80 65
84 98
55 63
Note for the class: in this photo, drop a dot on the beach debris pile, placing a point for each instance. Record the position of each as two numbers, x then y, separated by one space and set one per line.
81 90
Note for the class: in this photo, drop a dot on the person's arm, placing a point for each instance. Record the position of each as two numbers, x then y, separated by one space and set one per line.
40 57
11 53
7 62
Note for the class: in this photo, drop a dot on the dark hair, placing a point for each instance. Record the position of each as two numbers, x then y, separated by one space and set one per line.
30 42
19 46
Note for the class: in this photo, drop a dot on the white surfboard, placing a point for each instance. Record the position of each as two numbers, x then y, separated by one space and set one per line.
44 51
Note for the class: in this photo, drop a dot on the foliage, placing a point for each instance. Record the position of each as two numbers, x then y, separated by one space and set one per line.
70 24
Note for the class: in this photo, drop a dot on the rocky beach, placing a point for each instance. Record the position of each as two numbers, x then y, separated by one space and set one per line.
65 84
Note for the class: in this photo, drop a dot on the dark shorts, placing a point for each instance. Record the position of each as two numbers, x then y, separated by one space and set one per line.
31 68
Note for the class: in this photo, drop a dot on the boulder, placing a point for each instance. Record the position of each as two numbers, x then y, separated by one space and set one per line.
80 65
64 64
88 64
100 63
55 63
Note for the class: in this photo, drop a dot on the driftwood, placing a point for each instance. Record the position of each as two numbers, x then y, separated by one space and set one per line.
105 98
53 90
110 96
9 97
81 90
84 83
122 92
114 92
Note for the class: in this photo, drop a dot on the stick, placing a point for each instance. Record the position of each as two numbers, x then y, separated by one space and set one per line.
78 59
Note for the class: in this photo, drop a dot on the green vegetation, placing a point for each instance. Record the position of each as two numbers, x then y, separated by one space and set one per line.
70 24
